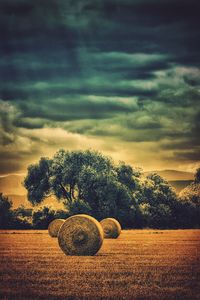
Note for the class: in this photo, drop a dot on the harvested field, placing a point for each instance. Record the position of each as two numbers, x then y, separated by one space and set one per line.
140 264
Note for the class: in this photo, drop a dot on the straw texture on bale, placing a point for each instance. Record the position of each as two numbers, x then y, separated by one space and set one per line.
54 227
111 228
80 235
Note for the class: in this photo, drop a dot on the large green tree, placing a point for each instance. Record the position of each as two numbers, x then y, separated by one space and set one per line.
89 182
85 181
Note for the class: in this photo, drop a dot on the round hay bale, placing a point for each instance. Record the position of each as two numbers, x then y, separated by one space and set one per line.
111 228
54 227
80 235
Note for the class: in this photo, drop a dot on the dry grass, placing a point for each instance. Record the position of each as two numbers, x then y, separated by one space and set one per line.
140 264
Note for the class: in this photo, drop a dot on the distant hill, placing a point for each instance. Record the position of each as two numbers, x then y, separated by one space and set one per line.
173 175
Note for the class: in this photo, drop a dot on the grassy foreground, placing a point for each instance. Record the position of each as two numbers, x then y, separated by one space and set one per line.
140 264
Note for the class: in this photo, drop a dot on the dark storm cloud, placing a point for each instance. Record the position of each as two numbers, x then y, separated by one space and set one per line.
31 123
128 69
7 116
74 108
19 95
188 156
9 166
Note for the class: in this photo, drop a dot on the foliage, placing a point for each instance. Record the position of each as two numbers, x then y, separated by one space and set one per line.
5 212
189 203
21 222
90 183
86 181
79 207
157 202
23 211
11 219
37 181
42 217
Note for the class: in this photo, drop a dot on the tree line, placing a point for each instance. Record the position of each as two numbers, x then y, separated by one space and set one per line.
89 182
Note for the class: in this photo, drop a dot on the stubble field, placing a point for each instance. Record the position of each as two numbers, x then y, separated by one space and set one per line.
140 264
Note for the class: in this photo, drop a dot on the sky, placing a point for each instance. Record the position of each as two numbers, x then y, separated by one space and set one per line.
118 76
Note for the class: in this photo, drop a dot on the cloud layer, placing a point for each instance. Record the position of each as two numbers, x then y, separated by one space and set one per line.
119 76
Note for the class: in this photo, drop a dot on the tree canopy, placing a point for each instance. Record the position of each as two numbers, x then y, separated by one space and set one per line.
86 177
89 182
190 200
